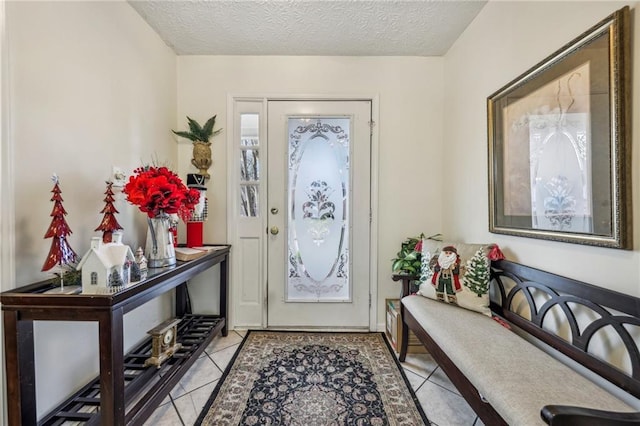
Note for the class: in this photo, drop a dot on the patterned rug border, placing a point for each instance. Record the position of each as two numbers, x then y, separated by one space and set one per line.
227 370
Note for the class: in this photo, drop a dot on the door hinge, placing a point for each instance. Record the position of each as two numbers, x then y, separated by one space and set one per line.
372 124
369 299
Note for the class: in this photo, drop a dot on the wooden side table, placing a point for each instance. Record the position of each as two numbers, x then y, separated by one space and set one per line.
406 338
22 306
406 282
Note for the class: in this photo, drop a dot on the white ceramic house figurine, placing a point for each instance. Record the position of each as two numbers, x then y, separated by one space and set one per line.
106 265
140 259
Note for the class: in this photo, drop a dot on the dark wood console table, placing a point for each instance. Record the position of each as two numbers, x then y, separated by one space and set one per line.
125 392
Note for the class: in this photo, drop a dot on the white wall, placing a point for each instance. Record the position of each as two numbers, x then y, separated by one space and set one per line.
6 208
410 131
91 86
504 40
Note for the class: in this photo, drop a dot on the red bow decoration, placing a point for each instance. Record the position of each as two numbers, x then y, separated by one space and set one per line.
495 253
502 322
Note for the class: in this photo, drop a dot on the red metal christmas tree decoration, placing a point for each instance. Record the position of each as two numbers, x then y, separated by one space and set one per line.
109 222
60 252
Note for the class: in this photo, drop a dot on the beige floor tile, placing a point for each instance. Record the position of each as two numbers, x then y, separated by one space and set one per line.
203 372
223 357
415 379
165 415
190 405
440 378
421 364
443 407
220 342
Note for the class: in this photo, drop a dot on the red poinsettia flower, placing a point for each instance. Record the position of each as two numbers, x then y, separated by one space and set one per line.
158 190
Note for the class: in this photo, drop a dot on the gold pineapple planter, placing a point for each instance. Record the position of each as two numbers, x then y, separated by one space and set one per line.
202 157
200 136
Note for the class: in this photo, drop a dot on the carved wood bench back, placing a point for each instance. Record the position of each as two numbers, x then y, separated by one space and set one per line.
597 327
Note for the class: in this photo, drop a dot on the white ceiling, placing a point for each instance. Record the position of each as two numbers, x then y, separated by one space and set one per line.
309 27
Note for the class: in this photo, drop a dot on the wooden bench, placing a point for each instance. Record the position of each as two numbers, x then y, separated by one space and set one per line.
503 368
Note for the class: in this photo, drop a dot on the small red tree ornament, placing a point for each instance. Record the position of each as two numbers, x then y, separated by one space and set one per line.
109 222
60 252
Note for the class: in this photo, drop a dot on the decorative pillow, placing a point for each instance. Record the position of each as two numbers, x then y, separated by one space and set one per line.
457 273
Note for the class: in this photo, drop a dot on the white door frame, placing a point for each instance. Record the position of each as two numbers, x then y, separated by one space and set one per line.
233 202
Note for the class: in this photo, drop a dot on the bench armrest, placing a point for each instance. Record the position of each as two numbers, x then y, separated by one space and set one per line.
564 415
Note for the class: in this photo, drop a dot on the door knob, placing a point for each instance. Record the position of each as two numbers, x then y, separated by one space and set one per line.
274 230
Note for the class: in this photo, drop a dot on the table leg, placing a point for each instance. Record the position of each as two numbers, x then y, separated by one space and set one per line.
20 369
183 300
112 403
224 283
405 336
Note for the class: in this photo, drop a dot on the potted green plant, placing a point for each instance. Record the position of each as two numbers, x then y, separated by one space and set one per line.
200 136
409 259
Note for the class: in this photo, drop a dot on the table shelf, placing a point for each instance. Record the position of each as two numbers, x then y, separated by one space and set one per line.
142 384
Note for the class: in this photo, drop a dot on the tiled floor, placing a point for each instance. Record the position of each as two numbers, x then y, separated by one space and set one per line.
440 400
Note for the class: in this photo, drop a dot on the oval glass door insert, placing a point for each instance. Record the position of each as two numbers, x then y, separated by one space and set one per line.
318 209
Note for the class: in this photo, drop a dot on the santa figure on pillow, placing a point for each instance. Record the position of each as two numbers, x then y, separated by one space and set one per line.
446 275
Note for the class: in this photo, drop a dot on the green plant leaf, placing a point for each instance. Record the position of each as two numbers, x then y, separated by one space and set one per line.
397 265
187 135
195 128
207 129
198 133
411 256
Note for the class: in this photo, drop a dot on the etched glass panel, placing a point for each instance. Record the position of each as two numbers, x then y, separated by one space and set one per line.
249 165
318 208
560 172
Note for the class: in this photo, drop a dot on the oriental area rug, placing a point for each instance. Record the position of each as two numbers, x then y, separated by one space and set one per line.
313 379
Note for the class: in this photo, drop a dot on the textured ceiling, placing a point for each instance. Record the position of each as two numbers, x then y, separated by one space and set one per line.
309 27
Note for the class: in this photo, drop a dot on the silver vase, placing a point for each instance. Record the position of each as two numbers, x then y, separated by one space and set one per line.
159 248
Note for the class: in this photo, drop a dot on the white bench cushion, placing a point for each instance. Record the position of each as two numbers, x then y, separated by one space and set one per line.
513 375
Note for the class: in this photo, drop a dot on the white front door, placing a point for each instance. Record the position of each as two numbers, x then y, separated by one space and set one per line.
318 208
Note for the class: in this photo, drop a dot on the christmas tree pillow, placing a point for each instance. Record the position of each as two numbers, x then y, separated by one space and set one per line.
457 273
